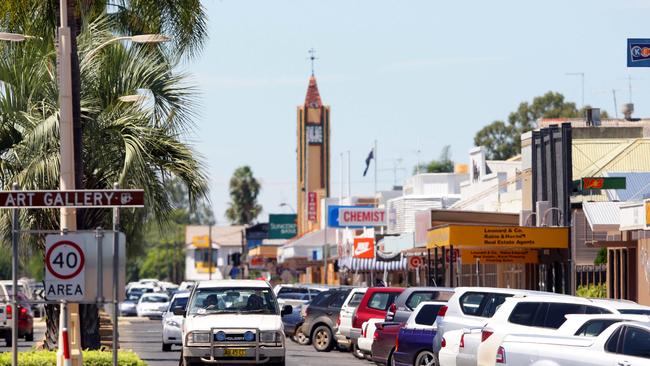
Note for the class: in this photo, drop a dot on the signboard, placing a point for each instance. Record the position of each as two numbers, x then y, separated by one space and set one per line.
415 262
201 241
362 217
77 198
334 215
65 264
588 183
499 236
364 248
312 206
71 267
282 226
638 52
646 205
496 256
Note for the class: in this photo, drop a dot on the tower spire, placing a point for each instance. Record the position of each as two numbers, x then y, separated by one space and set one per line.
312 58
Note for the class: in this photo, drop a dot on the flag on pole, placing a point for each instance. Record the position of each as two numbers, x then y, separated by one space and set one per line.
368 159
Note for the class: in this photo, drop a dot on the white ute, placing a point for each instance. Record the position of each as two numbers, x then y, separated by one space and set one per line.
233 321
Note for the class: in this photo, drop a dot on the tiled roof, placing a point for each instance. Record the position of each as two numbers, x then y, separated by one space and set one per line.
312 100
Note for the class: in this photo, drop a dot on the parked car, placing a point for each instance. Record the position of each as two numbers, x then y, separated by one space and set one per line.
25 314
364 343
471 307
345 317
321 318
233 320
591 325
152 305
529 315
383 343
624 344
413 343
409 299
291 322
172 323
373 305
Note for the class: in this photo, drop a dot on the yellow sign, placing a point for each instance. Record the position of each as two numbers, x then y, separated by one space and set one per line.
202 241
496 256
498 236
647 213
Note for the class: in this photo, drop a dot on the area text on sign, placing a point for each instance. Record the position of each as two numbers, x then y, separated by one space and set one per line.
78 198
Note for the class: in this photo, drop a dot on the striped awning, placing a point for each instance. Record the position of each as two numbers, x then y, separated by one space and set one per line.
362 264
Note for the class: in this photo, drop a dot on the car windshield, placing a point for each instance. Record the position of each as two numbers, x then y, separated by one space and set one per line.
635 311
293 296
233 300
155 298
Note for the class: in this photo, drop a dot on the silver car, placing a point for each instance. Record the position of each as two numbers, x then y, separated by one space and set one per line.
172 333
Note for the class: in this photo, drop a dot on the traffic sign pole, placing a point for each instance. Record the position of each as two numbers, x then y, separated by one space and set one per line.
116 265
15 231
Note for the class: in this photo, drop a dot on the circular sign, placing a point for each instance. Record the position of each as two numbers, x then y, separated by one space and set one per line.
415 261
64 259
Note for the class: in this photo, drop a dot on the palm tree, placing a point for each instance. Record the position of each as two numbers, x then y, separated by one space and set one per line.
138 145
244 189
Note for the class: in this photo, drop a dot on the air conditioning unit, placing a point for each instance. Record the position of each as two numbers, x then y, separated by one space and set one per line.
540 209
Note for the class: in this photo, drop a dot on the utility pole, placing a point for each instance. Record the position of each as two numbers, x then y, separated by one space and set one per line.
210 250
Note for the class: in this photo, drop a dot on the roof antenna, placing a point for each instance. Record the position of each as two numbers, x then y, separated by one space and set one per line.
312 57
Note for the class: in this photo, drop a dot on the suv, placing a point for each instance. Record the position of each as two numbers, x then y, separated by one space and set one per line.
233 321
408 300
321 317
374 305
345 317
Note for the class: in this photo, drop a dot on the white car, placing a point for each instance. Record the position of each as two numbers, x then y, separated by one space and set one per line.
535 315
471 307
345 316
172 323
367 335
621 344
152 305
233 321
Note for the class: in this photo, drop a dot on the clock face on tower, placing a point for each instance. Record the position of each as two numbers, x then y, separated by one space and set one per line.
314 134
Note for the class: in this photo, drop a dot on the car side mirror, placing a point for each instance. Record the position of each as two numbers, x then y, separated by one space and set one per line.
178 310
286 310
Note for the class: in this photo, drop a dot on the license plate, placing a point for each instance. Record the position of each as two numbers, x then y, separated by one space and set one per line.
234 352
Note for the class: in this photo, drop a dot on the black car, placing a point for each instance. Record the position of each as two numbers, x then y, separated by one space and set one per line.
409 299
321 318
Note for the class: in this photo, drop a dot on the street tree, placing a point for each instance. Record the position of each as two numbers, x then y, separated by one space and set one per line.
243 208
503 140
138 145
443 164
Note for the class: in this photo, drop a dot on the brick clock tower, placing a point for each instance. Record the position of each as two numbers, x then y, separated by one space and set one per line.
313 158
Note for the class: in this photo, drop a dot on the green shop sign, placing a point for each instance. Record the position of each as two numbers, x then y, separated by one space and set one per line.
282 226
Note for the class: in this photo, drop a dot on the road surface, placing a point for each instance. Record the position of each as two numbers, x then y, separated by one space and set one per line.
143 337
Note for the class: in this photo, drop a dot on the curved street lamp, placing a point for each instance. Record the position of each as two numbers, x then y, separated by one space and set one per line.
141 38
15 37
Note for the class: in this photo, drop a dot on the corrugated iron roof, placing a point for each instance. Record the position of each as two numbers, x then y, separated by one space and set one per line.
637 187
592 158
602 216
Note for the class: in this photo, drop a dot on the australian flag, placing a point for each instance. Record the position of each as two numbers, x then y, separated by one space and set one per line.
368 159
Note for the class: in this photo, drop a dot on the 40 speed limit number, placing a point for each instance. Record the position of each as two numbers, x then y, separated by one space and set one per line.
64 268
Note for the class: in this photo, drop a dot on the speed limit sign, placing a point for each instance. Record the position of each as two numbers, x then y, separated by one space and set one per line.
65 262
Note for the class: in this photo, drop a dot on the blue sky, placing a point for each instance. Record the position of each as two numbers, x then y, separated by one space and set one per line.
414 75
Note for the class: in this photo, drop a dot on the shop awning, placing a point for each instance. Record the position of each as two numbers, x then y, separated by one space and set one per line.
304 246
479 236
603 216
363 264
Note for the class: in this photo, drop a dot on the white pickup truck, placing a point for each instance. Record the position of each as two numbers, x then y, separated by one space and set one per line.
621 344
233 321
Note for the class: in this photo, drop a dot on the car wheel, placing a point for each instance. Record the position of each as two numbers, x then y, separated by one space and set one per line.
425 358
300 337
322 339
356 352
391 361
166 347
29 337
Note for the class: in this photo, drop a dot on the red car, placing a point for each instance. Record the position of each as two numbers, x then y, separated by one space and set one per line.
384 342
373 305
25 320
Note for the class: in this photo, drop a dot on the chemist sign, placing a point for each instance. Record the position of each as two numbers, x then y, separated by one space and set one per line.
65 263
356 216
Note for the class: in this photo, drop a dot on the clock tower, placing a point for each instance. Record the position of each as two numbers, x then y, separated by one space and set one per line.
313 158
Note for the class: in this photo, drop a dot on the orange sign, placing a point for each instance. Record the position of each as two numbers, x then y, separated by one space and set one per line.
647 214
592 183
415 262
364 248
496 256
